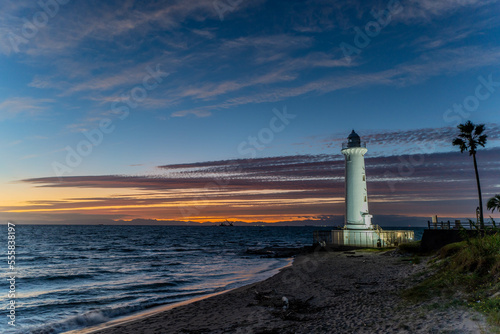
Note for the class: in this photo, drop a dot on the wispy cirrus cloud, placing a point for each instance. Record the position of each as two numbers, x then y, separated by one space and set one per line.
414 141
15 106
271 66
422 136
80 22
427 9
440 62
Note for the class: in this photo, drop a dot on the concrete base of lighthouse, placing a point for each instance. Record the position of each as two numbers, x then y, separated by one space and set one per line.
361 238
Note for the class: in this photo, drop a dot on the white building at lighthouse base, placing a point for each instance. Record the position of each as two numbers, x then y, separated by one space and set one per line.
374 238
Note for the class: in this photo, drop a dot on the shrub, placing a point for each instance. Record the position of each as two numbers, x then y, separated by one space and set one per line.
480 256
412 247
451 249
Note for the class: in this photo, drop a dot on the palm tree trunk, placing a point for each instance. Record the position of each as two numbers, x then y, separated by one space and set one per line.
481 218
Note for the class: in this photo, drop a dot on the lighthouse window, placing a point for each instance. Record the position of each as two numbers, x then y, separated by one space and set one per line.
365 198
364 178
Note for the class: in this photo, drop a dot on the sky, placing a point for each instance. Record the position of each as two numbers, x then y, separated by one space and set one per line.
201 111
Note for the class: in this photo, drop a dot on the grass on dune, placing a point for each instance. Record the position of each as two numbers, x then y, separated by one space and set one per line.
468 273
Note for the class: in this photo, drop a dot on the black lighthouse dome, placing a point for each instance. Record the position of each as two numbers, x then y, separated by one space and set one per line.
353 140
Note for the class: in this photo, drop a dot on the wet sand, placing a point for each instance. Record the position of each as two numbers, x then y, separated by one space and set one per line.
322 292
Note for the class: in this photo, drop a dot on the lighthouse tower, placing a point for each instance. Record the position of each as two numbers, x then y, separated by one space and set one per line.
358 230
357 216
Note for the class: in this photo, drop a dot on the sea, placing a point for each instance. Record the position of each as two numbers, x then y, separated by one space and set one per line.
72 277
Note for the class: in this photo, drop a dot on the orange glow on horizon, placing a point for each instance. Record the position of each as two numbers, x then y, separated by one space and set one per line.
22 201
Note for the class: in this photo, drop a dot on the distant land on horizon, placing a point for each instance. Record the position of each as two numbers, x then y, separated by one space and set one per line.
335 221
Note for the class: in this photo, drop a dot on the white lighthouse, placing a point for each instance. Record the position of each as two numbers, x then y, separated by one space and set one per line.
357 216
358 230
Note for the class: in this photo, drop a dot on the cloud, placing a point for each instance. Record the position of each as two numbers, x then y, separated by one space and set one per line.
425 10
200 112
12 143
272 66
125 77
423 136
432 64
79 22
414 141
210 90
288 185
15 106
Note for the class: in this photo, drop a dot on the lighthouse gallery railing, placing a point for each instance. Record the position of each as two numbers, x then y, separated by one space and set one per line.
346 145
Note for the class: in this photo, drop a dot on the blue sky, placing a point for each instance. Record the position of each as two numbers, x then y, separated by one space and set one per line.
222 75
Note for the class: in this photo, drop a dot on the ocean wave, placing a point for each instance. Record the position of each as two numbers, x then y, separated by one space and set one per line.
68 277
96 317
166 264
127 250
188 249
174 264
154 285
35 258
90 318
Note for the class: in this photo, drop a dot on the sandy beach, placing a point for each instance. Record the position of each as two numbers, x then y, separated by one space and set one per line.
322 292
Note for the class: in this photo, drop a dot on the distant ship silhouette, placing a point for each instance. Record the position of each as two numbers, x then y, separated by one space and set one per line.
228 223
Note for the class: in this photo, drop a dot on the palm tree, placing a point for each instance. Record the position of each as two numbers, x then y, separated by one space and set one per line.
494 203
471 136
